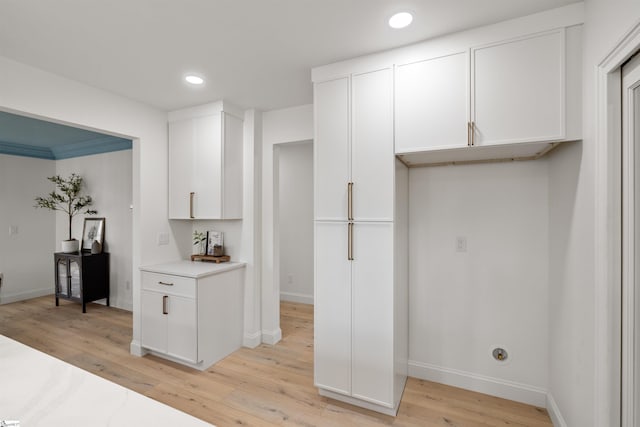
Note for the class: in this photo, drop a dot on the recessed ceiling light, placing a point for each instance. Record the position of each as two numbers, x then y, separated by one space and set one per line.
194 80
400 20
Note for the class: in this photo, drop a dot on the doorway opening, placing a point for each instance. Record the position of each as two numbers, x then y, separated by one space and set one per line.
293 237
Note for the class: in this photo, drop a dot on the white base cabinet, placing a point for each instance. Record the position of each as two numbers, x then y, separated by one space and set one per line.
192 314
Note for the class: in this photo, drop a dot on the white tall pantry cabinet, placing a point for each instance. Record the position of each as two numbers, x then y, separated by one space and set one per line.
361 289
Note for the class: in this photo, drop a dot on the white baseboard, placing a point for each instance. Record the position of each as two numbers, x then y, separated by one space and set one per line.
252 340
272 337
554 412
21 296
295 297
483 384
136 349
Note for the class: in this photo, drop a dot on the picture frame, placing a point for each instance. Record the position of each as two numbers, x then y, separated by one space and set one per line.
93 229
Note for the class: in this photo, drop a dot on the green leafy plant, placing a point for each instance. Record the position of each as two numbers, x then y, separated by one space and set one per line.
66 198
199 237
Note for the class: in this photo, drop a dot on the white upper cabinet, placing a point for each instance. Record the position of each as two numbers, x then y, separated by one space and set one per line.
518 90
432 103
205 164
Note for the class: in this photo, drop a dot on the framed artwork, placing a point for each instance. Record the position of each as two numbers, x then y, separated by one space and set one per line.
93 229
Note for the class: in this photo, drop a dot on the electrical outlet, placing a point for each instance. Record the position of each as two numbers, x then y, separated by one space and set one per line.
13 230
461 244
163 238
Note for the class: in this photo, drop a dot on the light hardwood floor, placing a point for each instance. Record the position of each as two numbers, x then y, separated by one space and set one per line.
266 386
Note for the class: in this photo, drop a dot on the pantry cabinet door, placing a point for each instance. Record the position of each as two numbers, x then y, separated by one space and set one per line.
332 308
373 313
373 162
331 149
432 103
518 90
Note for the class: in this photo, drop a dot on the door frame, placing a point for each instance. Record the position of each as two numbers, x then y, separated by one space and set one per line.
608 230
628 374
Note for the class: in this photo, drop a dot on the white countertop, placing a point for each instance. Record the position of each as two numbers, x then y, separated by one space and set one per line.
40 390
193 269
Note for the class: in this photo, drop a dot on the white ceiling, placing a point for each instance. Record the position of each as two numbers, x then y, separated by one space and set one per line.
253 53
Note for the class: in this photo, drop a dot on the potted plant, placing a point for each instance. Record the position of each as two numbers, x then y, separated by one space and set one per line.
200 239
66 198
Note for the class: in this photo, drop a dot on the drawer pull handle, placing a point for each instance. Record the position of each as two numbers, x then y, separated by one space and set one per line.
165 283
164 305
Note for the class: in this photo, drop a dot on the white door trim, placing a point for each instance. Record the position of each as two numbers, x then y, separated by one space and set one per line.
629 384
608 223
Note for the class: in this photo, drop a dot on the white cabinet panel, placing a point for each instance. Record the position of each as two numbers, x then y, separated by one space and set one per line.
372 159
207 166
373 313
182 328
331 149
518 90
432 103
332 317
181 152
154 322
232 178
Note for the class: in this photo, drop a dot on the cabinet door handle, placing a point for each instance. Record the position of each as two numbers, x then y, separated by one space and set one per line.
164 305
165 283
469 134
191 204
473 133
350 201
350 242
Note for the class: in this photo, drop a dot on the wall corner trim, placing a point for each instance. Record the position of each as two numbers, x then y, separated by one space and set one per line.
505 389
272 337
252 340
554 412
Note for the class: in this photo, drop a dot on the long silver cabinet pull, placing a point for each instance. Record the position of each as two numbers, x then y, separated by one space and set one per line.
473 133
469 134
165 283
191 204
350 242
164 305
350 201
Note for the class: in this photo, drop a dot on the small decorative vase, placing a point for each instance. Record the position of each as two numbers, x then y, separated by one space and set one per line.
203 247
96 247
70 246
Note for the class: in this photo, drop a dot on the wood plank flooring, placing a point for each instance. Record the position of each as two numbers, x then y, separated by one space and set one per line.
266 386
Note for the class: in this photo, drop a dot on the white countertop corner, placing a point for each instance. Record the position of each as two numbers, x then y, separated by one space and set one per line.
193 269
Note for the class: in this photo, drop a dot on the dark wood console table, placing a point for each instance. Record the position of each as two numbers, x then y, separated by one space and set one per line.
82 277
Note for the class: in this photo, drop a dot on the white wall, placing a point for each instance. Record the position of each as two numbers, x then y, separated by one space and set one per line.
278 127
575 395
27 90
26 258
107 178
295 194
463 304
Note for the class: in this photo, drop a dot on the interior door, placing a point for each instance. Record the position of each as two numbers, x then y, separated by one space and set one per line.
630 375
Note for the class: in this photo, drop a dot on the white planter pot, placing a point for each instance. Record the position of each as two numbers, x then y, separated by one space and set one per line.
69 246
